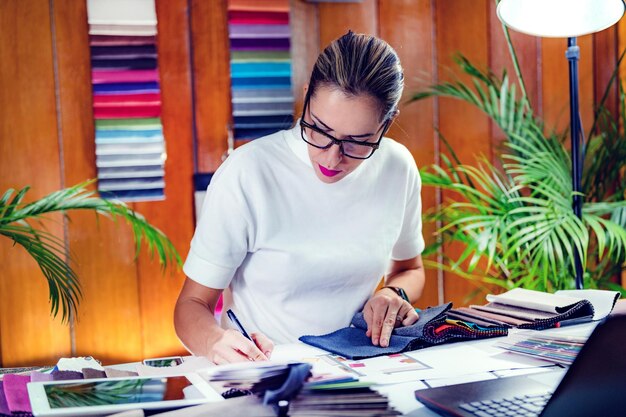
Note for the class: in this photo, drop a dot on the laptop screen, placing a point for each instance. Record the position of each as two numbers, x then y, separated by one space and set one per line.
596 382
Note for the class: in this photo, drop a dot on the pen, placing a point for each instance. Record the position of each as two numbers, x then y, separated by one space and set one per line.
236 322
577 320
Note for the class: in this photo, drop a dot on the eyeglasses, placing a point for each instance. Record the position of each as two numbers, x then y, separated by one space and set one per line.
348 147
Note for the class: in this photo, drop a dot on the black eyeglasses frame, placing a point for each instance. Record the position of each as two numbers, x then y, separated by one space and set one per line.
334 140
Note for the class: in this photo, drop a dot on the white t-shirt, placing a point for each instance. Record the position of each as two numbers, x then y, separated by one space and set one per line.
297 256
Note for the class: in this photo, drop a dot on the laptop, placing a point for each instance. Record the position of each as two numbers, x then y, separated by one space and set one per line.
594 385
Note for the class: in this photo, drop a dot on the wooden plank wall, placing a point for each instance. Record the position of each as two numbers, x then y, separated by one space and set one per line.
29 155
46 141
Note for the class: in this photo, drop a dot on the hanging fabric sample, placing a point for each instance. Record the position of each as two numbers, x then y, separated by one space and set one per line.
130 148
261 90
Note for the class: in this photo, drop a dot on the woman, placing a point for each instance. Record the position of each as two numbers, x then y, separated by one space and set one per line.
298 228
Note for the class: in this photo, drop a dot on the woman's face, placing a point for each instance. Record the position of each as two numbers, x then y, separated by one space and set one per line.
343 117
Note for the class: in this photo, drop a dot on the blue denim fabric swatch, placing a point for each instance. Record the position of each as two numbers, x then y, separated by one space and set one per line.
352 343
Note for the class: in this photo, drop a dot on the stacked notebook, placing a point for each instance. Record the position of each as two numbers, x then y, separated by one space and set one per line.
340 399
528 309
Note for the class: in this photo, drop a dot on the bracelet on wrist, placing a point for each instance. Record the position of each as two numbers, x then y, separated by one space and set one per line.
400 292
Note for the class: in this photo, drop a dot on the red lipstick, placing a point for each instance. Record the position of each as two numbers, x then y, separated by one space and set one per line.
328 172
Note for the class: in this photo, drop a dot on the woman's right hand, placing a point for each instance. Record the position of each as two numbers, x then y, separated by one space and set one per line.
198 330
232 346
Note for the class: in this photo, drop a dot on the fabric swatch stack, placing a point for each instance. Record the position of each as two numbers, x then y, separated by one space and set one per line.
130 148
433 327
262 98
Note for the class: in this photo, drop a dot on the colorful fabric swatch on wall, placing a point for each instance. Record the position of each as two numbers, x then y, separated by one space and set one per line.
130 148
260 65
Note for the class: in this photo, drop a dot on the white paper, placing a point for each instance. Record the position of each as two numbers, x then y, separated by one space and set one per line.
301 352
401 396
78 363
460 379
295 352
453 360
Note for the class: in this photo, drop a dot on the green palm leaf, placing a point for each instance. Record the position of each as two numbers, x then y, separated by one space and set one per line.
515 223
50 252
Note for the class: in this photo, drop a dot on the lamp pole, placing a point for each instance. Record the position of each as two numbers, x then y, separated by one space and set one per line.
573 55
565 19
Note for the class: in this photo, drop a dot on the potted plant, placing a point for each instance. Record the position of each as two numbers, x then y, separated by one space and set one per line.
515 224
22 223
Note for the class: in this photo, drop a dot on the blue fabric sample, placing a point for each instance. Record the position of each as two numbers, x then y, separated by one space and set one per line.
260 69
150 86
123 50
111 134
261 82
352 343
124 64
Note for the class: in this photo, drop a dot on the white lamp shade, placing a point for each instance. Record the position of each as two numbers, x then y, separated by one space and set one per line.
560 18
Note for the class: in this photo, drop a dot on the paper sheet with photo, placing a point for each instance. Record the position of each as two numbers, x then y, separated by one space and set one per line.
448 361
300 352
467 358
379 366
380 369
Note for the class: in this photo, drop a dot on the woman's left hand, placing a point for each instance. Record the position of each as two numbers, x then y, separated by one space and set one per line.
384 312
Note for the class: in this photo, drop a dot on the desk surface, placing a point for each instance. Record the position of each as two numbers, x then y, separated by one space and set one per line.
449 364
446 364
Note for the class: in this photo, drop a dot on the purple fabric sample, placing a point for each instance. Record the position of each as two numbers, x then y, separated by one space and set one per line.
16 393
4 407
37 376
66 375
110 40
278 44
259 31
90 373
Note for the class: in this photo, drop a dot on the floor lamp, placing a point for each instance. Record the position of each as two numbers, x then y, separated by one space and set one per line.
565 19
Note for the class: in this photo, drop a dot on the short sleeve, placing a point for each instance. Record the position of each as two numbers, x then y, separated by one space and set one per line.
410 242
220 242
